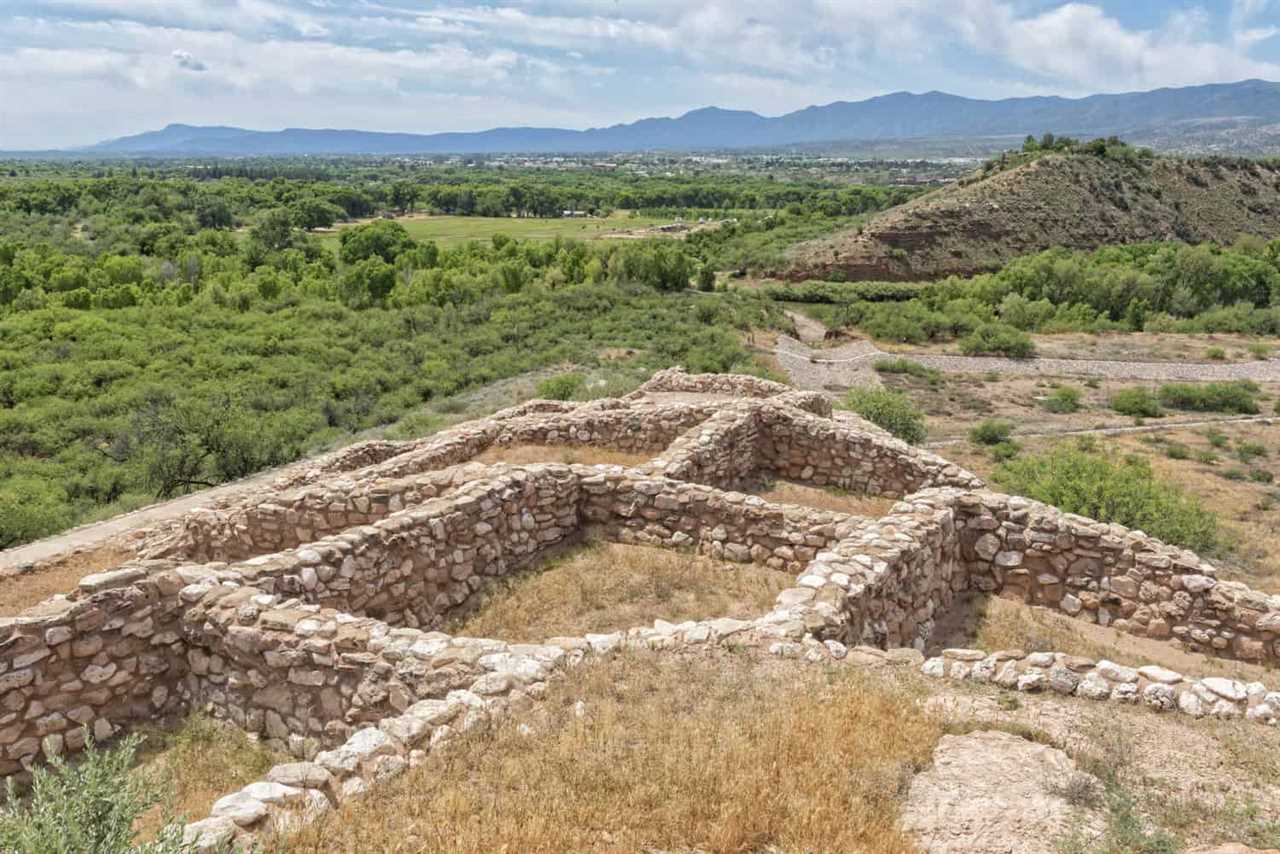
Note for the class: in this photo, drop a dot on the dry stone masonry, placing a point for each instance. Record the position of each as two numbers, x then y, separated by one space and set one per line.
309 614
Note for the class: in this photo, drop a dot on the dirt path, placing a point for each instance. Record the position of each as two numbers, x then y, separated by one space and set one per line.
841 366
1121 431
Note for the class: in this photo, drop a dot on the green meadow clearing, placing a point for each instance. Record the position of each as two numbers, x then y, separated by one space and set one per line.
448 230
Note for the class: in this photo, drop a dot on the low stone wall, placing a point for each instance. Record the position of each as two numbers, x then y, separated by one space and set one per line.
722 451
677 380
110 654
1161 689
1113 576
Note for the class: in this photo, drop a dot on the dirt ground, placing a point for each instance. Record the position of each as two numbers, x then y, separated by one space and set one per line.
1129 347
22 590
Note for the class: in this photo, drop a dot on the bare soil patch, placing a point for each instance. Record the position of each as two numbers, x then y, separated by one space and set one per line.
606 587
22 590
581 454
839 501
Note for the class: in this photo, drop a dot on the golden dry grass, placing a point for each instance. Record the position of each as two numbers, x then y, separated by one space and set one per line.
607 587
197 763
1004 624
785 492
586 455
672 754
58 576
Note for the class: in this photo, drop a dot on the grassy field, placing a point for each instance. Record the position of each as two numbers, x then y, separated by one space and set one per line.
449 230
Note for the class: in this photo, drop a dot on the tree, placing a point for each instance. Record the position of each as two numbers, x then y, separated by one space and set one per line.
404 196
381 238
274 230
314 213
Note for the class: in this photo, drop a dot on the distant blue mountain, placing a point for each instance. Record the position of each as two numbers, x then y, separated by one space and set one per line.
900 116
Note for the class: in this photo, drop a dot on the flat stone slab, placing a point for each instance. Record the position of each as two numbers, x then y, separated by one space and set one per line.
991 792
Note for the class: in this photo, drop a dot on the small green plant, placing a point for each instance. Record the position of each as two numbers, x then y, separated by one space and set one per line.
561 386
1216 438
990 432
908 367
1093 382
1005 451
1216 354
1235 474
1233 397
1248 451
1260 350
1064 398
1138 402
994 377
1203 455
1261 476
1177 451
889 410
998 339
90 806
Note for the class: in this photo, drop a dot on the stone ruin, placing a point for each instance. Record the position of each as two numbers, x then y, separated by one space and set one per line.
308 613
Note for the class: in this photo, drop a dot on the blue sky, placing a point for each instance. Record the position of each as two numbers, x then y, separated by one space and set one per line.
77 71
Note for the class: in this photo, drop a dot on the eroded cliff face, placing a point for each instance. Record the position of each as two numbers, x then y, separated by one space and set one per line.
1080 202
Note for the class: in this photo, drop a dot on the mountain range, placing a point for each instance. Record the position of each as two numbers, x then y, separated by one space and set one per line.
1227 116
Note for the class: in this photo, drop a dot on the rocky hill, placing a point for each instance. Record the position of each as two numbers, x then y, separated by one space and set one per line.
1079 201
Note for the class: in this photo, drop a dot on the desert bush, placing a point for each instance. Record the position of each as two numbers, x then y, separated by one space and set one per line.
1125 492
1260 350
889 410
1216 437
1215 354
1205 456
990 432
1177 451
1004 451
1261 476
561 386
1233 397
1247 451
1235 474
907 366
88 807
1138 402
998 339
1064 398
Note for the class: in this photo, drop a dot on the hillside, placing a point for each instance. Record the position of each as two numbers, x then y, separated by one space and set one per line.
1076 201
1210 115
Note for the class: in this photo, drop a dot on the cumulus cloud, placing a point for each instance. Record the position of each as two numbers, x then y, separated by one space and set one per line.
187 61
424 65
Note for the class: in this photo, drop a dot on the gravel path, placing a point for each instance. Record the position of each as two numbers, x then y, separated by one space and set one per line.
1121 431
846 364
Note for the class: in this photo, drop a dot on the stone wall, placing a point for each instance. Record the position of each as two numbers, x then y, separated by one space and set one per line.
109 654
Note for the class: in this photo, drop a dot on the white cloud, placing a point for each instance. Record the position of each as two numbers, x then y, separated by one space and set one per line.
92 68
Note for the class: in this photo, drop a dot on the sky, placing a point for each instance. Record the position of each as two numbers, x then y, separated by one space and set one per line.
74 72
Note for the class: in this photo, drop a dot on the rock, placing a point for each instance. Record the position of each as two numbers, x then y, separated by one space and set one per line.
209 835
988 793
239 807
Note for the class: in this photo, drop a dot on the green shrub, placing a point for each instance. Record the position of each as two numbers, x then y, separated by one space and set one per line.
1260 350
1235 474
1064 398
1125 492
907 366
1216 437
990 432
1205 456
1247 451
1216 354
561 386
1138 402
1093 382
1177 451
1261 476
1004 451
89 806
1233 397
889 410
998 339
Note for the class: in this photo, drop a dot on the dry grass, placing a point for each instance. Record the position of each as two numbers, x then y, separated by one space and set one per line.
587 455
1004 624
197 763
784 492
672 754
609 587
59 576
